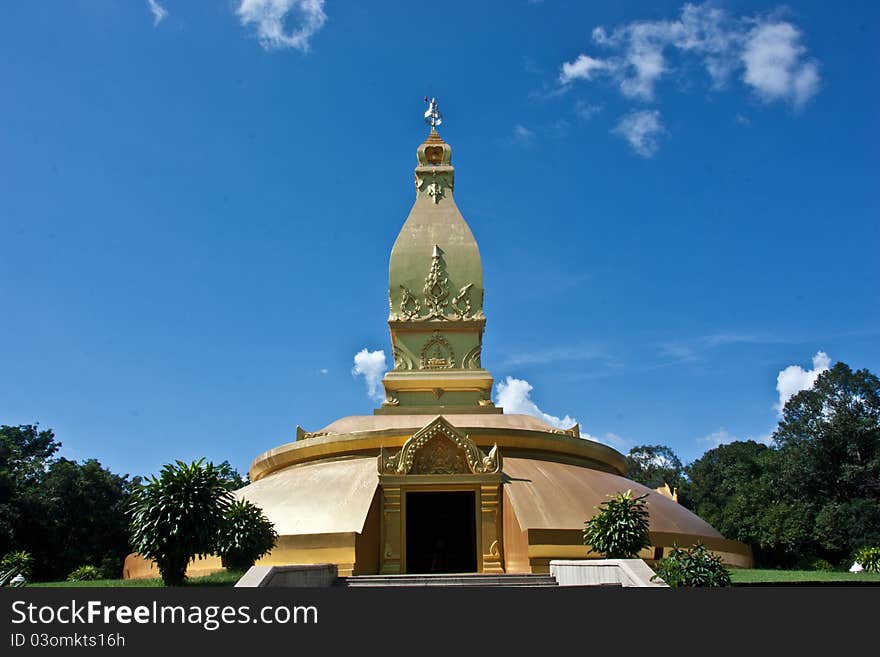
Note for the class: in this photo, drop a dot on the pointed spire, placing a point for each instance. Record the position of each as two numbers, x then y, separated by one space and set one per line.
436 321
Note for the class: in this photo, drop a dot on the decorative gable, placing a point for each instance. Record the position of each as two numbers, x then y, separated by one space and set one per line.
439 448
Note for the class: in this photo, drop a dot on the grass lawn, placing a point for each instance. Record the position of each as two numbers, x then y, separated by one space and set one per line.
223 578
758 576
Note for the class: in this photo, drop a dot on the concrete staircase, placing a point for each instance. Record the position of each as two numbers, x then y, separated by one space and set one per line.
455 579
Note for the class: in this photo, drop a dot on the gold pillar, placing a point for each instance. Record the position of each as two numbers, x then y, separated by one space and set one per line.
490 519
391 529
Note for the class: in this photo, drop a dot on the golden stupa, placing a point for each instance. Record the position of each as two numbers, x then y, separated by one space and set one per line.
439 479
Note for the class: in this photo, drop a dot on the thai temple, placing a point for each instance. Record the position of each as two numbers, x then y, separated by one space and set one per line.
439 478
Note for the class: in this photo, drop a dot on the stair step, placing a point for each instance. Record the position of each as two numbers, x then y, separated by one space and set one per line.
447 580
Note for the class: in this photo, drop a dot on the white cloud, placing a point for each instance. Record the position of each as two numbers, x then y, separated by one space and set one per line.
641 129
717 438
273 19
581 68
640 47
159 12
775 64
371 365
767 48
795 378
514 396
324 370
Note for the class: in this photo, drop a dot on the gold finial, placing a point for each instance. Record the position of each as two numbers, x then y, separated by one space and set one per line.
432 115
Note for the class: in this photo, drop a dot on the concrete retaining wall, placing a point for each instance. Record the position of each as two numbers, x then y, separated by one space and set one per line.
308 576
592 572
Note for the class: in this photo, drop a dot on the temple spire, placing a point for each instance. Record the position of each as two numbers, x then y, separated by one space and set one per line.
435 297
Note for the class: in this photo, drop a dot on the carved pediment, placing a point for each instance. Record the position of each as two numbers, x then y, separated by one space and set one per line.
439 448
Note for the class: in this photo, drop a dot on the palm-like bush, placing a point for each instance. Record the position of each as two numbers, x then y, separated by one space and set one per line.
869 558
85 573
245 536
694 567
620 529
14 564
176 516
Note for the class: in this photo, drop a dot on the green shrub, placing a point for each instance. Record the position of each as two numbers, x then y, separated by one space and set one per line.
176 516
17 563
245 536
694 567
869 558
815 564
821 565
620 529
85 573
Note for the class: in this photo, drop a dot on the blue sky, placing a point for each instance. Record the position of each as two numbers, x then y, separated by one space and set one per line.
198 201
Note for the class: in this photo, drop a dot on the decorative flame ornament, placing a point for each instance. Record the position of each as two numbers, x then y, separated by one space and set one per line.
432 115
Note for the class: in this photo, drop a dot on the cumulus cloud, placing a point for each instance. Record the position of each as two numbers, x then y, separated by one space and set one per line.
159 12
642 130
283 23
514 396
795 378
775 63
581 68
371 365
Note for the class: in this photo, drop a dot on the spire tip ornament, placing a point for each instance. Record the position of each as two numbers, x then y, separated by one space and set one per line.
432 115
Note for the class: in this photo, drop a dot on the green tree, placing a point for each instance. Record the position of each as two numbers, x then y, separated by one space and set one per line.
232 478
654 465
829 446
86 523
620 528
25 452
816 492
736 488
176 516
245 536
64 513
725 487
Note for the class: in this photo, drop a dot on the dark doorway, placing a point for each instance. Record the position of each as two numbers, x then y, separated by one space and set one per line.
440 532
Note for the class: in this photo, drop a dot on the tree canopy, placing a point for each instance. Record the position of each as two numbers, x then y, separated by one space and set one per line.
66 514
815 492
654 465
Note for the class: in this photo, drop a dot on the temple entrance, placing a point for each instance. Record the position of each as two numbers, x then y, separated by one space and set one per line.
441 532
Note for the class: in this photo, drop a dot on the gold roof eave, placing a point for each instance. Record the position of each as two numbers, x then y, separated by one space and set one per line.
358 443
